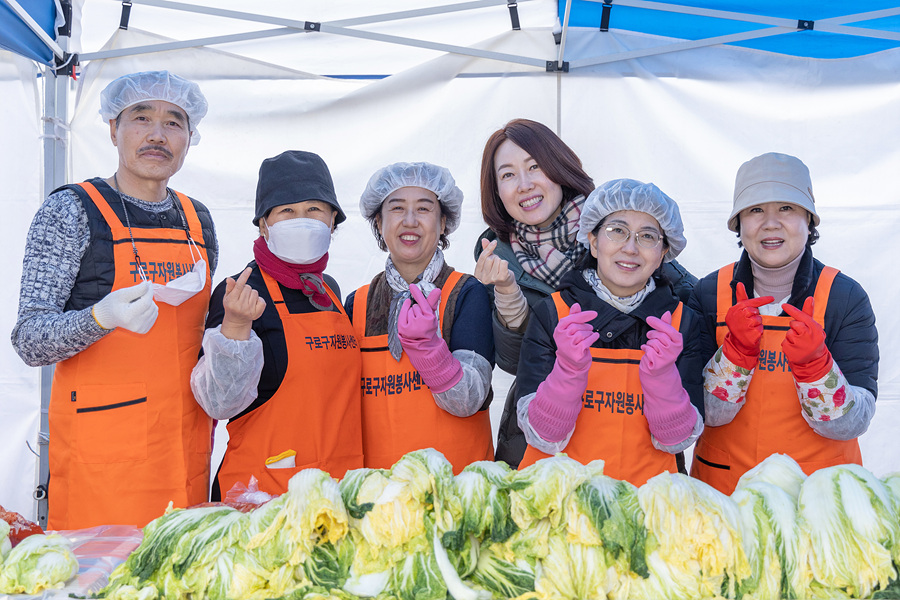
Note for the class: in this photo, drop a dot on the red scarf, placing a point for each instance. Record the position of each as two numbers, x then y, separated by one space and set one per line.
306 278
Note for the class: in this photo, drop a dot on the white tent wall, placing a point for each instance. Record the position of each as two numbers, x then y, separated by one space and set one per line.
20 170
685 121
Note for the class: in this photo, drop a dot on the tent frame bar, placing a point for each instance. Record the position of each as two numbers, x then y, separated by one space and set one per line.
830 25
335 27
562 40
36 29
778 26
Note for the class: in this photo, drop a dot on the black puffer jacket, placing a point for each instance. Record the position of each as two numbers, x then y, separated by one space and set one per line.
618 330
850 333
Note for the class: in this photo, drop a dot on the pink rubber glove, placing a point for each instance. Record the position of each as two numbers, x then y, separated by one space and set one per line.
667 406
417 328
804 345
556 404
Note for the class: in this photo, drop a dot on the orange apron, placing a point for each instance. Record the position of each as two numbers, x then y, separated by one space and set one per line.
770 420
315 412
611 424
398 408
126 435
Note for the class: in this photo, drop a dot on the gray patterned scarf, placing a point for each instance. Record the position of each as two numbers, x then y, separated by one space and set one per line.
401 293
625 304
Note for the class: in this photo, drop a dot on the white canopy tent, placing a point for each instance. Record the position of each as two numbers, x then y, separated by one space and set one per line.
685 120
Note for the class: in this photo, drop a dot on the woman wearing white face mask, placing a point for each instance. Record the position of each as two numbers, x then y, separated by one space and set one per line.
280 360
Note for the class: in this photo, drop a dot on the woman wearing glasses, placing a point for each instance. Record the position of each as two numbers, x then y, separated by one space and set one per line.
597 374
788 353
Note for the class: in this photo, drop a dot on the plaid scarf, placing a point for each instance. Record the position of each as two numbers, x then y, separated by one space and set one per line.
551 252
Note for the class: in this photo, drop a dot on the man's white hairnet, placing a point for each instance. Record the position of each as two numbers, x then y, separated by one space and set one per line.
130 89
418 174
628 194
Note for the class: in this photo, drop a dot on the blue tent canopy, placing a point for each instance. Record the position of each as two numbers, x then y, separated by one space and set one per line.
807 29
17 36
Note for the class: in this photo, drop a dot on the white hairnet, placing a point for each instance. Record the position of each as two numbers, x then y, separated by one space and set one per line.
130 89
418 174
628 194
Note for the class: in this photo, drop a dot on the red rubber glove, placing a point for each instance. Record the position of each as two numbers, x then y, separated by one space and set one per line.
744 329
666 404
417 328
804 344
556 405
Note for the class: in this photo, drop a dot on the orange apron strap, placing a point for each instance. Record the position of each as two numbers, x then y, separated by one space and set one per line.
676 315
723 289
823 289
359 310
451 282
562 309
334 298
105 209
190 215
278 297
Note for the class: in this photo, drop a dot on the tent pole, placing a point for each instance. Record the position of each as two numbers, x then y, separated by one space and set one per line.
54 149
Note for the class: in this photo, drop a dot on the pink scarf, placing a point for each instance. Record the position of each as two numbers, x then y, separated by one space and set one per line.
306 278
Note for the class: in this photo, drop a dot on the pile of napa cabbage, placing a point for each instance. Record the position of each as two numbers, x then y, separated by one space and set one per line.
37 563
556 530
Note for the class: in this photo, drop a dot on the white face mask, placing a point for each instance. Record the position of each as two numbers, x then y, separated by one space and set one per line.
299 241
182 288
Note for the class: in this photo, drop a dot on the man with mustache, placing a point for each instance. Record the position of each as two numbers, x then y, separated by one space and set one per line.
115 289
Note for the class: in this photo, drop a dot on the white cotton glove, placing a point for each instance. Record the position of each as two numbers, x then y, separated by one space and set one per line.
131 308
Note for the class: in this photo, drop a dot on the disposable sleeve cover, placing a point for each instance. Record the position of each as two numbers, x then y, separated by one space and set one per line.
685 444
225 379
468 395
531 436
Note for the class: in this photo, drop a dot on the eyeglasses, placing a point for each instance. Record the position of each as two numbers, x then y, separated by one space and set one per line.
646 238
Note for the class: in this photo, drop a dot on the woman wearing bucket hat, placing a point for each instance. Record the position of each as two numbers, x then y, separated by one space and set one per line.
598 374
788 358
280 360
532 193
423 327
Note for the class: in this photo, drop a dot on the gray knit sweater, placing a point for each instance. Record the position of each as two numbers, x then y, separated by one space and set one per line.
59 235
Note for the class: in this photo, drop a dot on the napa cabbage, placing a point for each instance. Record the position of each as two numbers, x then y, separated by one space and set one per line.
504 578
481 491
39 562
606 512
773 541
539 491
287 528
5 544
694 546
779 470
850 518
573 571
